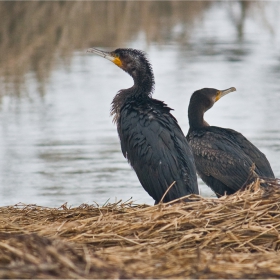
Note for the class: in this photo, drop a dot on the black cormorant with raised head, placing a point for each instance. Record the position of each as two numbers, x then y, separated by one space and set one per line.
223 157
150 136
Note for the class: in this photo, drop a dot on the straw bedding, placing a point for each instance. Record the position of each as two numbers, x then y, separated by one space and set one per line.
235 236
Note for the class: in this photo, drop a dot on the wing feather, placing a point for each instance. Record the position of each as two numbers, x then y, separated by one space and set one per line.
217 155
158 151
263 167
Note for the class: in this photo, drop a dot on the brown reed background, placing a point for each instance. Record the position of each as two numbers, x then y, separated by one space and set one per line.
35 34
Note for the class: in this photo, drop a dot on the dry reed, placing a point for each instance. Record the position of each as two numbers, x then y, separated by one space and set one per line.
235 236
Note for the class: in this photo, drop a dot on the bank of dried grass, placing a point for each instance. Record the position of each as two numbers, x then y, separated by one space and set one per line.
232 237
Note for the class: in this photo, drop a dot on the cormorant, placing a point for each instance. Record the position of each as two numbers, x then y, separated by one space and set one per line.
223 157
150 136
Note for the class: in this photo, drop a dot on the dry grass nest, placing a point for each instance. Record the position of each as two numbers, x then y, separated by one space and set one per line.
235 236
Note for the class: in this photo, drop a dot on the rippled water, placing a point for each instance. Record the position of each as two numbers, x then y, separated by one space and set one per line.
61 146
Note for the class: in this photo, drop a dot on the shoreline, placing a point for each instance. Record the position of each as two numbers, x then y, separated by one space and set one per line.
235 236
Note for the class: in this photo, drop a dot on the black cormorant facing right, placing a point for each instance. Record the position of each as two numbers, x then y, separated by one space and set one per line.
150 136
223 157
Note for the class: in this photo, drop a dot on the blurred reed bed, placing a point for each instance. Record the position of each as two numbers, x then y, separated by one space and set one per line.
235 236
35 34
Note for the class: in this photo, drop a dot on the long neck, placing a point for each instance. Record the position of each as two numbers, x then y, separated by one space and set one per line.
196 114
143 82
142 89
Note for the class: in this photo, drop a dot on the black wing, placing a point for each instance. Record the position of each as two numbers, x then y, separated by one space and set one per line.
263 167
218 155
156 148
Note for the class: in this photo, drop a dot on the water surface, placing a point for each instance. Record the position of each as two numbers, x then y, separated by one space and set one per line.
57 140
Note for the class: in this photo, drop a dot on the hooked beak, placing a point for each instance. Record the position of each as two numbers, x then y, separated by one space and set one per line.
221 93
108 55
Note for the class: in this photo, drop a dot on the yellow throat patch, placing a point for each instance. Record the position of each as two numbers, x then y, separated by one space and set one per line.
117 61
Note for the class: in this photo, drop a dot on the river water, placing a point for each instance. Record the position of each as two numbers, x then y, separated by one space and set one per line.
57 140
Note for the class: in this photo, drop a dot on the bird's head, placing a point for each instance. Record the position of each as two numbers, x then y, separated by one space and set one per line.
131 61
210 95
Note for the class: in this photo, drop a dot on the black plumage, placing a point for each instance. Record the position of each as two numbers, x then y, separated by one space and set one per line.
223 157
150 136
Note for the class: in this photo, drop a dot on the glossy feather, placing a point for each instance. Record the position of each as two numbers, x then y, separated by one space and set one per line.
156 148
223 157
150 136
